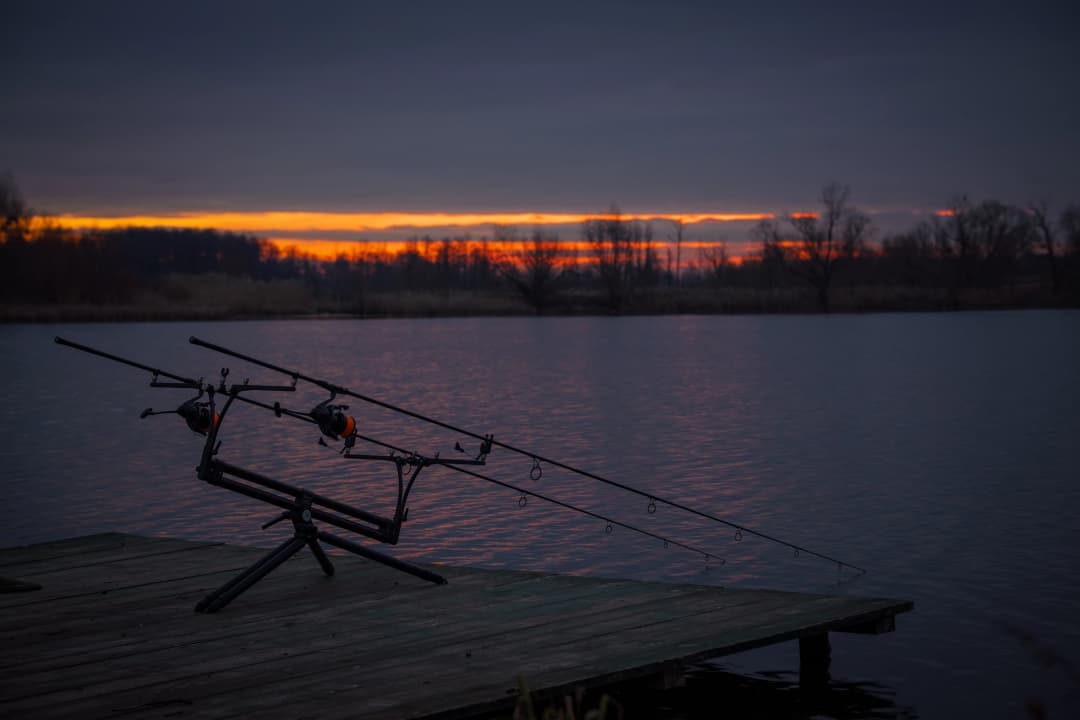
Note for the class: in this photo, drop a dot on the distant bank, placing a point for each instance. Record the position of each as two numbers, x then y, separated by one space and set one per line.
260 301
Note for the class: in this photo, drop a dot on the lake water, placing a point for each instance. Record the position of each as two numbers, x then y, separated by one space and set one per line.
938 451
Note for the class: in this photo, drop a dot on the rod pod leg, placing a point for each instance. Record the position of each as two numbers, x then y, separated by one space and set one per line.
320 555
230 590
388 560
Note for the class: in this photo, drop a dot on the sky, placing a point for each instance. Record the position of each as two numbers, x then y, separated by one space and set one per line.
473 108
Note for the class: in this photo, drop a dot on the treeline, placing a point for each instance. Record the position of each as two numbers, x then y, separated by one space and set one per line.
973 255
984 254
981 253
114 267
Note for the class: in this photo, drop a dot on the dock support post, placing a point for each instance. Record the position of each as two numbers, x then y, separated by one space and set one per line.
815 655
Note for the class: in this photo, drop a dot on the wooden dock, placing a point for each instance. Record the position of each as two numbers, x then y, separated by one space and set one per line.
112 633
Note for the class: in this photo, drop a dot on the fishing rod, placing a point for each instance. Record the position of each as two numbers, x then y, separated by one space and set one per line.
335 390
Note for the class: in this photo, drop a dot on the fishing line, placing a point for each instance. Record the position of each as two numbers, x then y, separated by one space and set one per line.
523 492
546 498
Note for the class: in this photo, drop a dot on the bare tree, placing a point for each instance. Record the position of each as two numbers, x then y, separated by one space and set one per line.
15 215
910 258
535 271
980 245
1002 235
678 228
771 251
716 261
624 255
955 248
1044 226
817 242
1070 232
824 239
1070 228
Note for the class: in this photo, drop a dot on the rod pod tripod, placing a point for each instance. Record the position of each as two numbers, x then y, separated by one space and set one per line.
304 533
302 507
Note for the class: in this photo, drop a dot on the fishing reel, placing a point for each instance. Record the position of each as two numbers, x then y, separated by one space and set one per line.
196 414
485 449
334 423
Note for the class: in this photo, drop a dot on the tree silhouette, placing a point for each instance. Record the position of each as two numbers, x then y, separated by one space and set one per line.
1070 230
814 243
980 245
535 272
624 254
15 215
717 262
678 229
1070 226
1047 235
910 258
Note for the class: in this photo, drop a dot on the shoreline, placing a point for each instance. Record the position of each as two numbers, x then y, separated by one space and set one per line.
132 316
732 301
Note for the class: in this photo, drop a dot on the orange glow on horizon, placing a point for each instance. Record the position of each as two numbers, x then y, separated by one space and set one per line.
276 230
276 227
286 221
569 252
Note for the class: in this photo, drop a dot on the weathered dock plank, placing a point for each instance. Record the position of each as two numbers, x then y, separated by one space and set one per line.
113 632
71 547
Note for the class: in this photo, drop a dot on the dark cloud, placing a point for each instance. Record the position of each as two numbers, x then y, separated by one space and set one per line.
546 106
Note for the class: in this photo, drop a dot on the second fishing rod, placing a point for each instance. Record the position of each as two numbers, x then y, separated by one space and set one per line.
335 389
406 457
